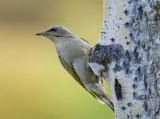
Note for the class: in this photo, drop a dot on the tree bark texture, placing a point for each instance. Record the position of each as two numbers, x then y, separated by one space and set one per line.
127 55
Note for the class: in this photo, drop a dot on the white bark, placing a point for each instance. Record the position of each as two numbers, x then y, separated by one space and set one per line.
127 55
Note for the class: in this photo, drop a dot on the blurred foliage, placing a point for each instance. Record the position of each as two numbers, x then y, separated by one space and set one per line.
33 84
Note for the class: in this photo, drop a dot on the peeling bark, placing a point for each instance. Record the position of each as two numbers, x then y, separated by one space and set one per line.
127 55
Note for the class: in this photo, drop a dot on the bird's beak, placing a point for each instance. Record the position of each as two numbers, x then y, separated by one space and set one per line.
41 34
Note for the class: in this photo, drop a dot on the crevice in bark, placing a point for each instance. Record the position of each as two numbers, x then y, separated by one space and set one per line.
118 90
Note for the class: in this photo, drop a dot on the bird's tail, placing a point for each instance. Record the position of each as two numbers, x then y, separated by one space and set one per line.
108 100
103 98
98 98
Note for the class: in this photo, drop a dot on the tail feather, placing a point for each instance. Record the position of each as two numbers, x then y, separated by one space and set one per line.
106 98
109 103
97 97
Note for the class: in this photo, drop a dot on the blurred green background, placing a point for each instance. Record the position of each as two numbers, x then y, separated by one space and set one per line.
33 84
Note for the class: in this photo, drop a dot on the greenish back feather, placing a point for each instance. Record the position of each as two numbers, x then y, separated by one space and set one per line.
71 71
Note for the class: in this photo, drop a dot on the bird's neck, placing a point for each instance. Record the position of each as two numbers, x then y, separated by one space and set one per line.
68 36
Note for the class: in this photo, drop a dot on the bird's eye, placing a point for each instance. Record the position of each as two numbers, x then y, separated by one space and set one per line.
54 29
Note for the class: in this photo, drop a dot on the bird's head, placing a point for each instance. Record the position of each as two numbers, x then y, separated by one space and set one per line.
57 32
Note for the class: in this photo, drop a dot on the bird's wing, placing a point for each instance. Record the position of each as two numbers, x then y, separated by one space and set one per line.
71 71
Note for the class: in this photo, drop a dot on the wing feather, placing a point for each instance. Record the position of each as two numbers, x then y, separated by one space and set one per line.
71 71
69 68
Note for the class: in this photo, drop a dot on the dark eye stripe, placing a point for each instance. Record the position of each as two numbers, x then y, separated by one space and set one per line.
54 29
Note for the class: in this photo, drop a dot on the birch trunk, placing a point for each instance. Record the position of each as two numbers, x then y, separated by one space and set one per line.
127 55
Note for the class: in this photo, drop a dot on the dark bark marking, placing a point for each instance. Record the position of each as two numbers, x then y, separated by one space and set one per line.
140 12
145 105
127 25
128 42
113 52
117 68
135 86
128 71
129 104
136 79
103 32
123 108
126 12
138 97
112 39
118 90
138 116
